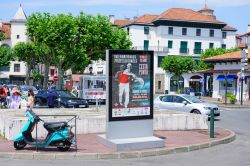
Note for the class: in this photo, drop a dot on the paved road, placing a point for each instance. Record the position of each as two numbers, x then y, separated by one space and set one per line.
236 153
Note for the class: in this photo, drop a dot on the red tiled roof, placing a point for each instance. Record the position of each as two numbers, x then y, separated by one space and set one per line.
183 14
229 28
146 19
6 29
228 56
121 22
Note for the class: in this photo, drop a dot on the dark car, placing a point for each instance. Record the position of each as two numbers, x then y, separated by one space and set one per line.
61 98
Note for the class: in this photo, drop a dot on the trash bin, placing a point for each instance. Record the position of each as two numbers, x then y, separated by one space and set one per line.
166 91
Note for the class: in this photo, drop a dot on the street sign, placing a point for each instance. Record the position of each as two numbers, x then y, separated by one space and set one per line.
55 78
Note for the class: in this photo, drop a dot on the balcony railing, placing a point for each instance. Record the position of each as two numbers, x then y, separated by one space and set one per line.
197 51
184 50
152 48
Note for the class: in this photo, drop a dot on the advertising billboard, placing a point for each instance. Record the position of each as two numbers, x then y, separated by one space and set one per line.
130 75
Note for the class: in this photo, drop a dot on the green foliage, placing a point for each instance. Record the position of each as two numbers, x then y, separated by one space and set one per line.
178 65
5 56
2 36
36 75
232 97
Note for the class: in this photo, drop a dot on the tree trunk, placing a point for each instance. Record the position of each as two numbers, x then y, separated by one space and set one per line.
27 74
46 76
59 83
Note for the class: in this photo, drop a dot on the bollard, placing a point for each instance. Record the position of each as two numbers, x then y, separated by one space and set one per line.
212 123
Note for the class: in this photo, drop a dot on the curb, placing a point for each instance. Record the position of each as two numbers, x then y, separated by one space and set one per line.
119 155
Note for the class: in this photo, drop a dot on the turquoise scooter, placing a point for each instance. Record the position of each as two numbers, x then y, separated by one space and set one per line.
59 134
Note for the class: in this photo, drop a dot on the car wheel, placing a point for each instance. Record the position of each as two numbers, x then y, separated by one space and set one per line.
196 112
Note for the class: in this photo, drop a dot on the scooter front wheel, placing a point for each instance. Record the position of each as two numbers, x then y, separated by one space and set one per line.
18 145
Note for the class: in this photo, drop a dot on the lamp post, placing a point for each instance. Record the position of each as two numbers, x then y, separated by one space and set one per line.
226 74
244 62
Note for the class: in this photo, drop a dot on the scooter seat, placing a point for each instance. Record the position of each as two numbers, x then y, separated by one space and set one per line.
54 126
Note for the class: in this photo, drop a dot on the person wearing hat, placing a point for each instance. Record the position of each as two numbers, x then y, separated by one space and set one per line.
15 99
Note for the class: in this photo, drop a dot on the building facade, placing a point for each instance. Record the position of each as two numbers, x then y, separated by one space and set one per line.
178 31
15 31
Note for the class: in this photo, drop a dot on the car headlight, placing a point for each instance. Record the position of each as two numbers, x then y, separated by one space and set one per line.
71 101
208 108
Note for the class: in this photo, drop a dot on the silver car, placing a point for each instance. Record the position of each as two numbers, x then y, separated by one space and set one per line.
185 103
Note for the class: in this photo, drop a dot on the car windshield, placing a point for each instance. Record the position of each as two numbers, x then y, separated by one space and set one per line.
192 99
64 94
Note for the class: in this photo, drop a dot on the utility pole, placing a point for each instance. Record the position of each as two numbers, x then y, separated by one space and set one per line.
244 63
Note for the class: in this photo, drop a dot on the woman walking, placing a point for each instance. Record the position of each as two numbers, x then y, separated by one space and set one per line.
15 99
31 99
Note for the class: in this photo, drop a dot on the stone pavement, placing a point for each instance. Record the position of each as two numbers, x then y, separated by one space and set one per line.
90 149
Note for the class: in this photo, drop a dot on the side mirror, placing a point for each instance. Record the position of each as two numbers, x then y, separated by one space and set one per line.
185 102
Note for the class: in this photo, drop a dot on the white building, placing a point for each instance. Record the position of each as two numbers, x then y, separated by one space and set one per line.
15 32
177 31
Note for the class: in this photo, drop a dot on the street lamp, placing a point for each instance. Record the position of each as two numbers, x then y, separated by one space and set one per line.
225 75
244 62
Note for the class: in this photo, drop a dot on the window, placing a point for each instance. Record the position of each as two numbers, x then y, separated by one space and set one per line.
17 36
211 34
146 30
170 44
166 98
16 67
198 32
159 84
224 35
211 45
197 48
170 30
176 83
184 31
184 47
230 86
146 45
224 46
178 99
160 59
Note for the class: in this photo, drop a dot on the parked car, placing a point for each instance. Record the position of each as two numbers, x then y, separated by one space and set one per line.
62 99
185 103
25 88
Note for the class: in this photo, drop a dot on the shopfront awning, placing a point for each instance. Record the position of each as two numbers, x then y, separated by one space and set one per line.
229 77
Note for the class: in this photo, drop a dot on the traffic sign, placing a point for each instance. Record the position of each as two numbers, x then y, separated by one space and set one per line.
55 78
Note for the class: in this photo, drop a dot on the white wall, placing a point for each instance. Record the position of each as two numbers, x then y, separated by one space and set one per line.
230 40
18 29
22 68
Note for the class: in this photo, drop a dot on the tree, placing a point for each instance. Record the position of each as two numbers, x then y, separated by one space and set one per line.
178 65
75 41
5 56
26 52
2 36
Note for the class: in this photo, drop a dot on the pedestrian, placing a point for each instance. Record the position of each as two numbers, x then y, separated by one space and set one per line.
50 99
8 98
3 95
15 99
31 99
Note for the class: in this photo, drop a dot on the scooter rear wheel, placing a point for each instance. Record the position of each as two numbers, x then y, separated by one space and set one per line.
64 146
18 145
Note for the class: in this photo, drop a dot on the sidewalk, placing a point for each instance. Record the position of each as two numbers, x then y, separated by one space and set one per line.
246 104
89 148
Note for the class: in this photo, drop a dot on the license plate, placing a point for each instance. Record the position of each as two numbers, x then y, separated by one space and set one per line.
82 105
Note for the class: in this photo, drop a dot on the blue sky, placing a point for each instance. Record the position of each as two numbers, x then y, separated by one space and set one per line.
234 12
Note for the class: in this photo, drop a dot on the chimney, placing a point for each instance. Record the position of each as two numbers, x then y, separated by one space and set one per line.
112 19
248 28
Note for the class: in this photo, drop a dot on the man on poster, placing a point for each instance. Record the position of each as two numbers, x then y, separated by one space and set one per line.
124 78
